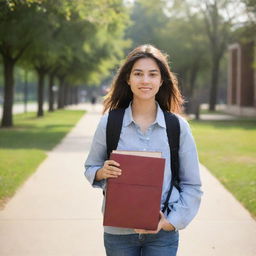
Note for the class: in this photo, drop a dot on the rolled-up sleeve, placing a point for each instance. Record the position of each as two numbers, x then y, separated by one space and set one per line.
186 207
97 154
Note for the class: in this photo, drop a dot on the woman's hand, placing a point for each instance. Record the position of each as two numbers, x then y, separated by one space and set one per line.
163 224
109 170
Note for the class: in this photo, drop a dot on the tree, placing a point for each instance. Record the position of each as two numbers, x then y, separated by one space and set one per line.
186 45
218 30
220 17
58 39
246 30
176 31
145 23
251 10
17 19
93 47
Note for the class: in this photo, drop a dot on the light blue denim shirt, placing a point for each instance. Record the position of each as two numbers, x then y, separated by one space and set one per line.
184 204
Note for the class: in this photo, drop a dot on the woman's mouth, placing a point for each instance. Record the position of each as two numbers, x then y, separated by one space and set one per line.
145 89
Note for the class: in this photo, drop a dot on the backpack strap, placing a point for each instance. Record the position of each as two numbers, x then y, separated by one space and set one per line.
114 127
173 134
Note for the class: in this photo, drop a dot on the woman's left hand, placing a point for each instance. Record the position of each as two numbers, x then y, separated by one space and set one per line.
163 224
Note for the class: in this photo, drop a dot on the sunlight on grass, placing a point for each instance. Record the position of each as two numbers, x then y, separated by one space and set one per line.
227 149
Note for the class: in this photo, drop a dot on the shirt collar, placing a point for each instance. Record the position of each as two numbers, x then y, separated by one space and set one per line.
160 120
128 119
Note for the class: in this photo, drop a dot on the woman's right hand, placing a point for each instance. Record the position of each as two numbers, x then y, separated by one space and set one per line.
109 170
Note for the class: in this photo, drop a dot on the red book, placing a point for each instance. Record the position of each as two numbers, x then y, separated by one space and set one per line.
133 199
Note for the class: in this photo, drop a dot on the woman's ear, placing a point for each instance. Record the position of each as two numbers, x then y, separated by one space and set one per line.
127 79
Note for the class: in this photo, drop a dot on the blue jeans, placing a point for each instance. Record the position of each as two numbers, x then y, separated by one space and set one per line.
165 243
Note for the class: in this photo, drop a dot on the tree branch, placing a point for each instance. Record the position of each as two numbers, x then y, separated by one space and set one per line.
21 51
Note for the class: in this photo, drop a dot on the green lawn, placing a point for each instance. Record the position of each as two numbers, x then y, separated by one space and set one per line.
228 150
24 147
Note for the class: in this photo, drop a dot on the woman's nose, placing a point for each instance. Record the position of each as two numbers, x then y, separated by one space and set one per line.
145 79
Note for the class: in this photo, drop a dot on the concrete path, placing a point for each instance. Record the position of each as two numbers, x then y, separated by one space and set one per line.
222 227
218 117
57 213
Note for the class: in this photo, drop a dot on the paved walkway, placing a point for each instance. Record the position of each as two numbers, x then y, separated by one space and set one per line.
57 213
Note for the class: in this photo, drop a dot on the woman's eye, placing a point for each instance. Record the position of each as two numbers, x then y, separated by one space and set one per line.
137 74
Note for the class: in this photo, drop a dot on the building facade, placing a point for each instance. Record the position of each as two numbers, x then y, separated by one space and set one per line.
241 94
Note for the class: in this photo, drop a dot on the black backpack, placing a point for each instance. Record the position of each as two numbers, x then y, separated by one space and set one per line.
114 126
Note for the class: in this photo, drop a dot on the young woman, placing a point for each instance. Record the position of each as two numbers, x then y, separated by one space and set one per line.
146 87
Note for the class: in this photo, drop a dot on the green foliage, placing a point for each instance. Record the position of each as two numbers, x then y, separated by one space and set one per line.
59 33
146 24
251 6
24 147
17 26
186 42
227 148
77 41
89 45
177 32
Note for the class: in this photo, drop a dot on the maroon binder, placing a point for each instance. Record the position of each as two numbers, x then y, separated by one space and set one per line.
133 199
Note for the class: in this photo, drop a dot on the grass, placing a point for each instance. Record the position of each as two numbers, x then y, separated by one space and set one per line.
24 147
228 149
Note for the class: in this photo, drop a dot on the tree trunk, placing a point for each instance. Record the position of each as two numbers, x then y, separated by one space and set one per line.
25 91
8 91
70 95
193 76
214 83
189 83
192 104
65 91
75 97
61 93
218 34
51 93
182 80
40 91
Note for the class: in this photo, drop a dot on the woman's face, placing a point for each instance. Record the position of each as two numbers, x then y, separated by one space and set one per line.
145 79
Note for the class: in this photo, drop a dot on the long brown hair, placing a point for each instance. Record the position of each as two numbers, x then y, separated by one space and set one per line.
168 97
